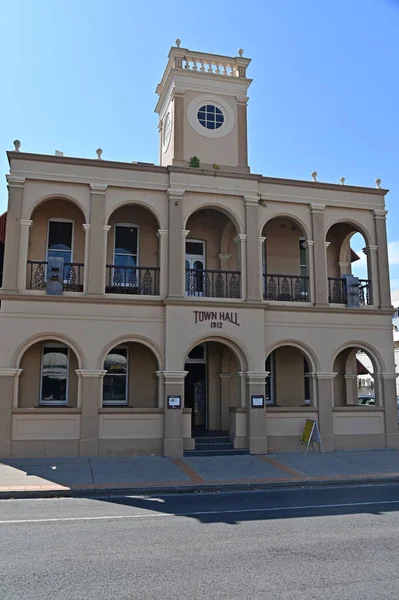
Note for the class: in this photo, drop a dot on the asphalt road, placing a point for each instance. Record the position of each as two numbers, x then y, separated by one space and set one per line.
334 544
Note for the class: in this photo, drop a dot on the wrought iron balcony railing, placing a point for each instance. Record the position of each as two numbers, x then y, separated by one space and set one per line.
286 288
338 293
212 283
141 281
73 276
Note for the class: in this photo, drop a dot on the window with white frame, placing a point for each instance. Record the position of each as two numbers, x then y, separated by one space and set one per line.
60 241
54 374
126 252
115 384
270 395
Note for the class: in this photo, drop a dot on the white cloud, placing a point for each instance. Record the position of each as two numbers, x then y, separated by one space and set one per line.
393 253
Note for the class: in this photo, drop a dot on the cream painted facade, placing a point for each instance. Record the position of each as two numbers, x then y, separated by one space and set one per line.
208 283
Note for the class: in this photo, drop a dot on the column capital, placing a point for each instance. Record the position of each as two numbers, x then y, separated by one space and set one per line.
241 237
172 377
370 248
162 233
86 227
5 372
93 373
343 264
261 239
224 256
251 199
317 208
15 182
98 188
385 375
106 228
176 193
350 377
225 375
25 223
380 213
185 232
324 375
308 244
326 244
255 377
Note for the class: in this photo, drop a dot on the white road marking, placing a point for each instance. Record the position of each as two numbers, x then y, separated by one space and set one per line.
200 513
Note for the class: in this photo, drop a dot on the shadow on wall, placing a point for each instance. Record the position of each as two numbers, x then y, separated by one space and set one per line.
1 262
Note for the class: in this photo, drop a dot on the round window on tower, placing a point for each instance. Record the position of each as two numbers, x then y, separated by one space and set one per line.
210 116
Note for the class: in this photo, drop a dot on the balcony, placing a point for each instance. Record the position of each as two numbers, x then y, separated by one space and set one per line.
213 283
37 276
286 288
338 294
139 281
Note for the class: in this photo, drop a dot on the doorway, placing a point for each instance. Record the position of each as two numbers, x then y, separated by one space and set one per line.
196 388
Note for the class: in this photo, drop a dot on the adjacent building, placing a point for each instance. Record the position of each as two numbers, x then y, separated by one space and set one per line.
144 305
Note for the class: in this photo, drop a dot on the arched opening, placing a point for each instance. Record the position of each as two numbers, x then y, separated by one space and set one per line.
212 255
131 377
56 235
48 376
345 258
288 383
354 383
285 261
212 386
132 252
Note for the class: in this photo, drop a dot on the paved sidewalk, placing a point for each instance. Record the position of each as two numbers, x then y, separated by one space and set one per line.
65 476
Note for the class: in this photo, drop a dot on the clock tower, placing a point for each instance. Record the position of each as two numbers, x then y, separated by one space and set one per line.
202 110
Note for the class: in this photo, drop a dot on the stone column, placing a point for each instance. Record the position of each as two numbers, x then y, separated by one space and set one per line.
382 258
11 250
241 239
319 254
8 391
160 389
386 386
254 258
176 244
224 400
263 282
256 417
242 133
373 273
351 389
89 401
309 245
325 394
163 261
86 229
173 417
25 226
97 252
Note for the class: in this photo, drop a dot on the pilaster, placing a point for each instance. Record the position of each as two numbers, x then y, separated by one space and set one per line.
173 417
309 246
382 258
319 255
89 400
256 417
95 266
373 272
8 394
254 258
386 386
163 261
241 239
176 243
325 393
25 226
13 231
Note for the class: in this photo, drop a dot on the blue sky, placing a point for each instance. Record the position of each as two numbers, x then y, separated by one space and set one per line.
81 74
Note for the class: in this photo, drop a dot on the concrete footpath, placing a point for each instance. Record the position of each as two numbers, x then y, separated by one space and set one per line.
38 477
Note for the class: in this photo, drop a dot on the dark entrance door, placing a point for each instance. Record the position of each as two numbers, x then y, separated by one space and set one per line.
195 394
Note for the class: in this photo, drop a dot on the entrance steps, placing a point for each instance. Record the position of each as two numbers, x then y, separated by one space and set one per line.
219 445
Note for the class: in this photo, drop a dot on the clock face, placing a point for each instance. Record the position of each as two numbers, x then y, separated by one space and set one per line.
167 131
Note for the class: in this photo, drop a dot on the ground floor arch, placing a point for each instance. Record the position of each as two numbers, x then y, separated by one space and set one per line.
289 380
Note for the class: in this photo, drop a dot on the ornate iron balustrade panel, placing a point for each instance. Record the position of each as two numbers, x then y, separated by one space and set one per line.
337 290
365 292
286 288
212 283
140 281
73 276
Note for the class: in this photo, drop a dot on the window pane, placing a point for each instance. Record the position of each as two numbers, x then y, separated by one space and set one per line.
125 260
54 374
210 109
198 352
195 248
114 385
116 362
126 240
60 236
60 254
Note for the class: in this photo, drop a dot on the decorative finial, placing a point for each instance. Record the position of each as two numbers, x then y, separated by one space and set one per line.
342 180
240 52
378 183
178 42
17 145
99 152
314 175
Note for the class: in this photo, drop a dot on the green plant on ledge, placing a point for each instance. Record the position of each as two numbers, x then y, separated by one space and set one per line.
216 166
195 162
